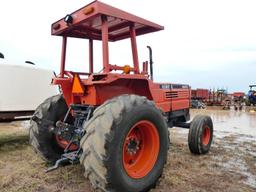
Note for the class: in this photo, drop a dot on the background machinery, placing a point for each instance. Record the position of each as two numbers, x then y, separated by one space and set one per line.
251 96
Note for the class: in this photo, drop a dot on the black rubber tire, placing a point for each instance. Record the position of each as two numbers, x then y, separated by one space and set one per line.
196 131
40 137
103 142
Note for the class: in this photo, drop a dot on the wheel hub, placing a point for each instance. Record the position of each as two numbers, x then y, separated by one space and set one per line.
133 146
206 135
141 149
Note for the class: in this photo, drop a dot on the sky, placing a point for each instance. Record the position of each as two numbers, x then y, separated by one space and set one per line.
206 43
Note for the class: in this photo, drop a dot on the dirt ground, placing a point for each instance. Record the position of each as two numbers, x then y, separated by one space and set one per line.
230 165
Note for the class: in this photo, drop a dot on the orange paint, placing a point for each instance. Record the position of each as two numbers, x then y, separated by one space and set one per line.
141 149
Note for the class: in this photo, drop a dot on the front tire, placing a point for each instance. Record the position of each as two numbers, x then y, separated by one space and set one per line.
125 147
200 134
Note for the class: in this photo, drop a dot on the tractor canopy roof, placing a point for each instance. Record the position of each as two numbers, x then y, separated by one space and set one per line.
87 22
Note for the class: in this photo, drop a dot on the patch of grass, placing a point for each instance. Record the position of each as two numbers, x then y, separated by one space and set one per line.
21 169
6 139
12 133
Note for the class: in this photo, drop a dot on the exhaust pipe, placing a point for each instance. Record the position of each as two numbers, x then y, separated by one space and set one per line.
1 55
150 62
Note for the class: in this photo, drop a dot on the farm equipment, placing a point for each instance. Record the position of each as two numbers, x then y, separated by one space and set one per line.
199 98
114 122
200 94
238 100
235 99
251 96
217 97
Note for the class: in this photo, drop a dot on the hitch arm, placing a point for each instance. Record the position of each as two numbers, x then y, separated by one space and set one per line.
58 163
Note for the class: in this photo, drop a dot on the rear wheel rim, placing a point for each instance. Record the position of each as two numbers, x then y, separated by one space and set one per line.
206 135
141 149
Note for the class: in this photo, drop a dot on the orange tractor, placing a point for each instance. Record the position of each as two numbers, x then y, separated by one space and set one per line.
114 122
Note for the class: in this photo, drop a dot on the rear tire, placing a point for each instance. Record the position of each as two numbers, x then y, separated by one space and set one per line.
200 134
105 149
40 137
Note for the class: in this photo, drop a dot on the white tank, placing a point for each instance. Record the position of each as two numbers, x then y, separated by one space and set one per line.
24 87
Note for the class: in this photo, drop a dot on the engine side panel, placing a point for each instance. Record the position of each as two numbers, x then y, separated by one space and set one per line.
171 97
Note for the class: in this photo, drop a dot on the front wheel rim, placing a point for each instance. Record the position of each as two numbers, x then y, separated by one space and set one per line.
206 135
141 149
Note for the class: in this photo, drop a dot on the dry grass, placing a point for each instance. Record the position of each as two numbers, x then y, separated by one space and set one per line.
22 170
12 132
